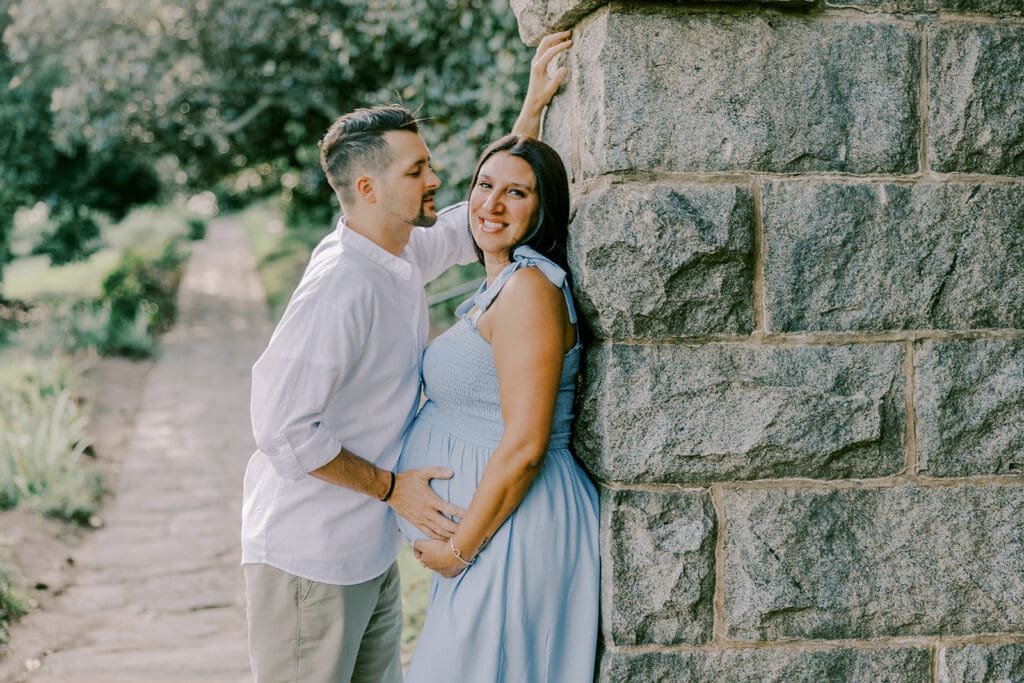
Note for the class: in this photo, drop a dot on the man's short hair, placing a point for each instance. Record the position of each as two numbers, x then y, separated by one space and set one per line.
355 143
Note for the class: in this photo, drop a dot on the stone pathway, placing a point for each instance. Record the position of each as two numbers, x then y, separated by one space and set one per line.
159 592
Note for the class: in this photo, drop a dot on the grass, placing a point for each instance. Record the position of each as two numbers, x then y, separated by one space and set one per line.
33 279
415 590
281 253
12 602
43 442
43 446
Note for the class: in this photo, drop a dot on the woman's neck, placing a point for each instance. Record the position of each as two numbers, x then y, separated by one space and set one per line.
494 264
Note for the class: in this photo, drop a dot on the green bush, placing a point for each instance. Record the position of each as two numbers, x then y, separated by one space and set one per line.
43 443
137 302
147 287
74 239
13 316
196 229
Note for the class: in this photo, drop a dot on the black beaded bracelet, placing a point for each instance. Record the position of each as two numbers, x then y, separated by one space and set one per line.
391 489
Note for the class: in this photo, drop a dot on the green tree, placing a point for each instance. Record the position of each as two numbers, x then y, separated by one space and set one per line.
235 94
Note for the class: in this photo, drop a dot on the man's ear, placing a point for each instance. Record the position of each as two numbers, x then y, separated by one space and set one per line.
364 187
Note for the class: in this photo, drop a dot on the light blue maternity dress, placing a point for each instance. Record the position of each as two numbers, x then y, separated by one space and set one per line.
526 611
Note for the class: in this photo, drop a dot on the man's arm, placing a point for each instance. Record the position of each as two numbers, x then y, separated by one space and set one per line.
411 497
543 85
308 361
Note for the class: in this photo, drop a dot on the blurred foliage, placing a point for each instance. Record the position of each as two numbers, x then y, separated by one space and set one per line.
74 239
43 442
37 165
105 97
196 228
150 283
12 601
136 302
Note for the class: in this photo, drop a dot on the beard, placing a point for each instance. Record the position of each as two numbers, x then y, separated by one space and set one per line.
424 219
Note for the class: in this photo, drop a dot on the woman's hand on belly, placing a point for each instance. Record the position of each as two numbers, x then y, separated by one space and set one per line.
437 555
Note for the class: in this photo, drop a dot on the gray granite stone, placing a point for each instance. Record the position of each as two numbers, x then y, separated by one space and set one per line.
658 578
720 412
982 664
871 563
659 260
969 399
539 17
975 116
873 256
769 665
701 92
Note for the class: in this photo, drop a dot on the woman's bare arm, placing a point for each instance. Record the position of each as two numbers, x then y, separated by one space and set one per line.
542 86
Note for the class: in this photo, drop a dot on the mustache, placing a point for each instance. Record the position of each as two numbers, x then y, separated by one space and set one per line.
427 197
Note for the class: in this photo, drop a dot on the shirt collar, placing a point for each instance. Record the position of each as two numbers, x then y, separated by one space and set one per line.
352 241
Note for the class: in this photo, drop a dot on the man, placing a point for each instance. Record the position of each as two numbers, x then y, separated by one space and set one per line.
332 396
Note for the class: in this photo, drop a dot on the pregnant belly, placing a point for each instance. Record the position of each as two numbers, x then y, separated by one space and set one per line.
428 446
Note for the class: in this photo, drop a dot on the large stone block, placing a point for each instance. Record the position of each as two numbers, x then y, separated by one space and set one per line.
539 17
769 665
870 563
981 664
719 412
975 111
878 256
663 260
969 399
658 576
701 92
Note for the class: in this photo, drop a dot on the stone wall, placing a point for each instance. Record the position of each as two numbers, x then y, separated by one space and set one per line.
799 241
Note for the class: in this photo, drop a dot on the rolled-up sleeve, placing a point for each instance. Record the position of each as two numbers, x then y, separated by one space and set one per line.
446 243
303 369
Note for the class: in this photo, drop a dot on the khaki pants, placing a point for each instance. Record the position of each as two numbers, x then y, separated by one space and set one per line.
301 631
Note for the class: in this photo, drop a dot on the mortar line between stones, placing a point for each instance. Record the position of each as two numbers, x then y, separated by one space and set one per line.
746 8
718 604
923 103
980 19
739 177
760 254
797 645
910 431
823 485
818 338
936 654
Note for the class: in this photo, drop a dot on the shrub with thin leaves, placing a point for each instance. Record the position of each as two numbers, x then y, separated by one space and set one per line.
43 443
12 604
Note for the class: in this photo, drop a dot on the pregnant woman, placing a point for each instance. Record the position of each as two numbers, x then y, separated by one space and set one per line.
515 593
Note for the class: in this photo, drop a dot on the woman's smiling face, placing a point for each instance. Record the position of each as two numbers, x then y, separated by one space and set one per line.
503 205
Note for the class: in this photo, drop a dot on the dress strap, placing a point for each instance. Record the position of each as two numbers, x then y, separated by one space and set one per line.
522 257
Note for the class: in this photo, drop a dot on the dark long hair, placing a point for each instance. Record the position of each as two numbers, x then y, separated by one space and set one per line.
550 235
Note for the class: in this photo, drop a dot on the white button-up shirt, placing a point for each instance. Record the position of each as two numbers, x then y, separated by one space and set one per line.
341 369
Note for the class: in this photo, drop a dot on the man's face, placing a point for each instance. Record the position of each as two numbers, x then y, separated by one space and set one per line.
405 189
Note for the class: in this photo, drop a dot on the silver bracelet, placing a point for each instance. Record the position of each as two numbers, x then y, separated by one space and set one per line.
458 553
